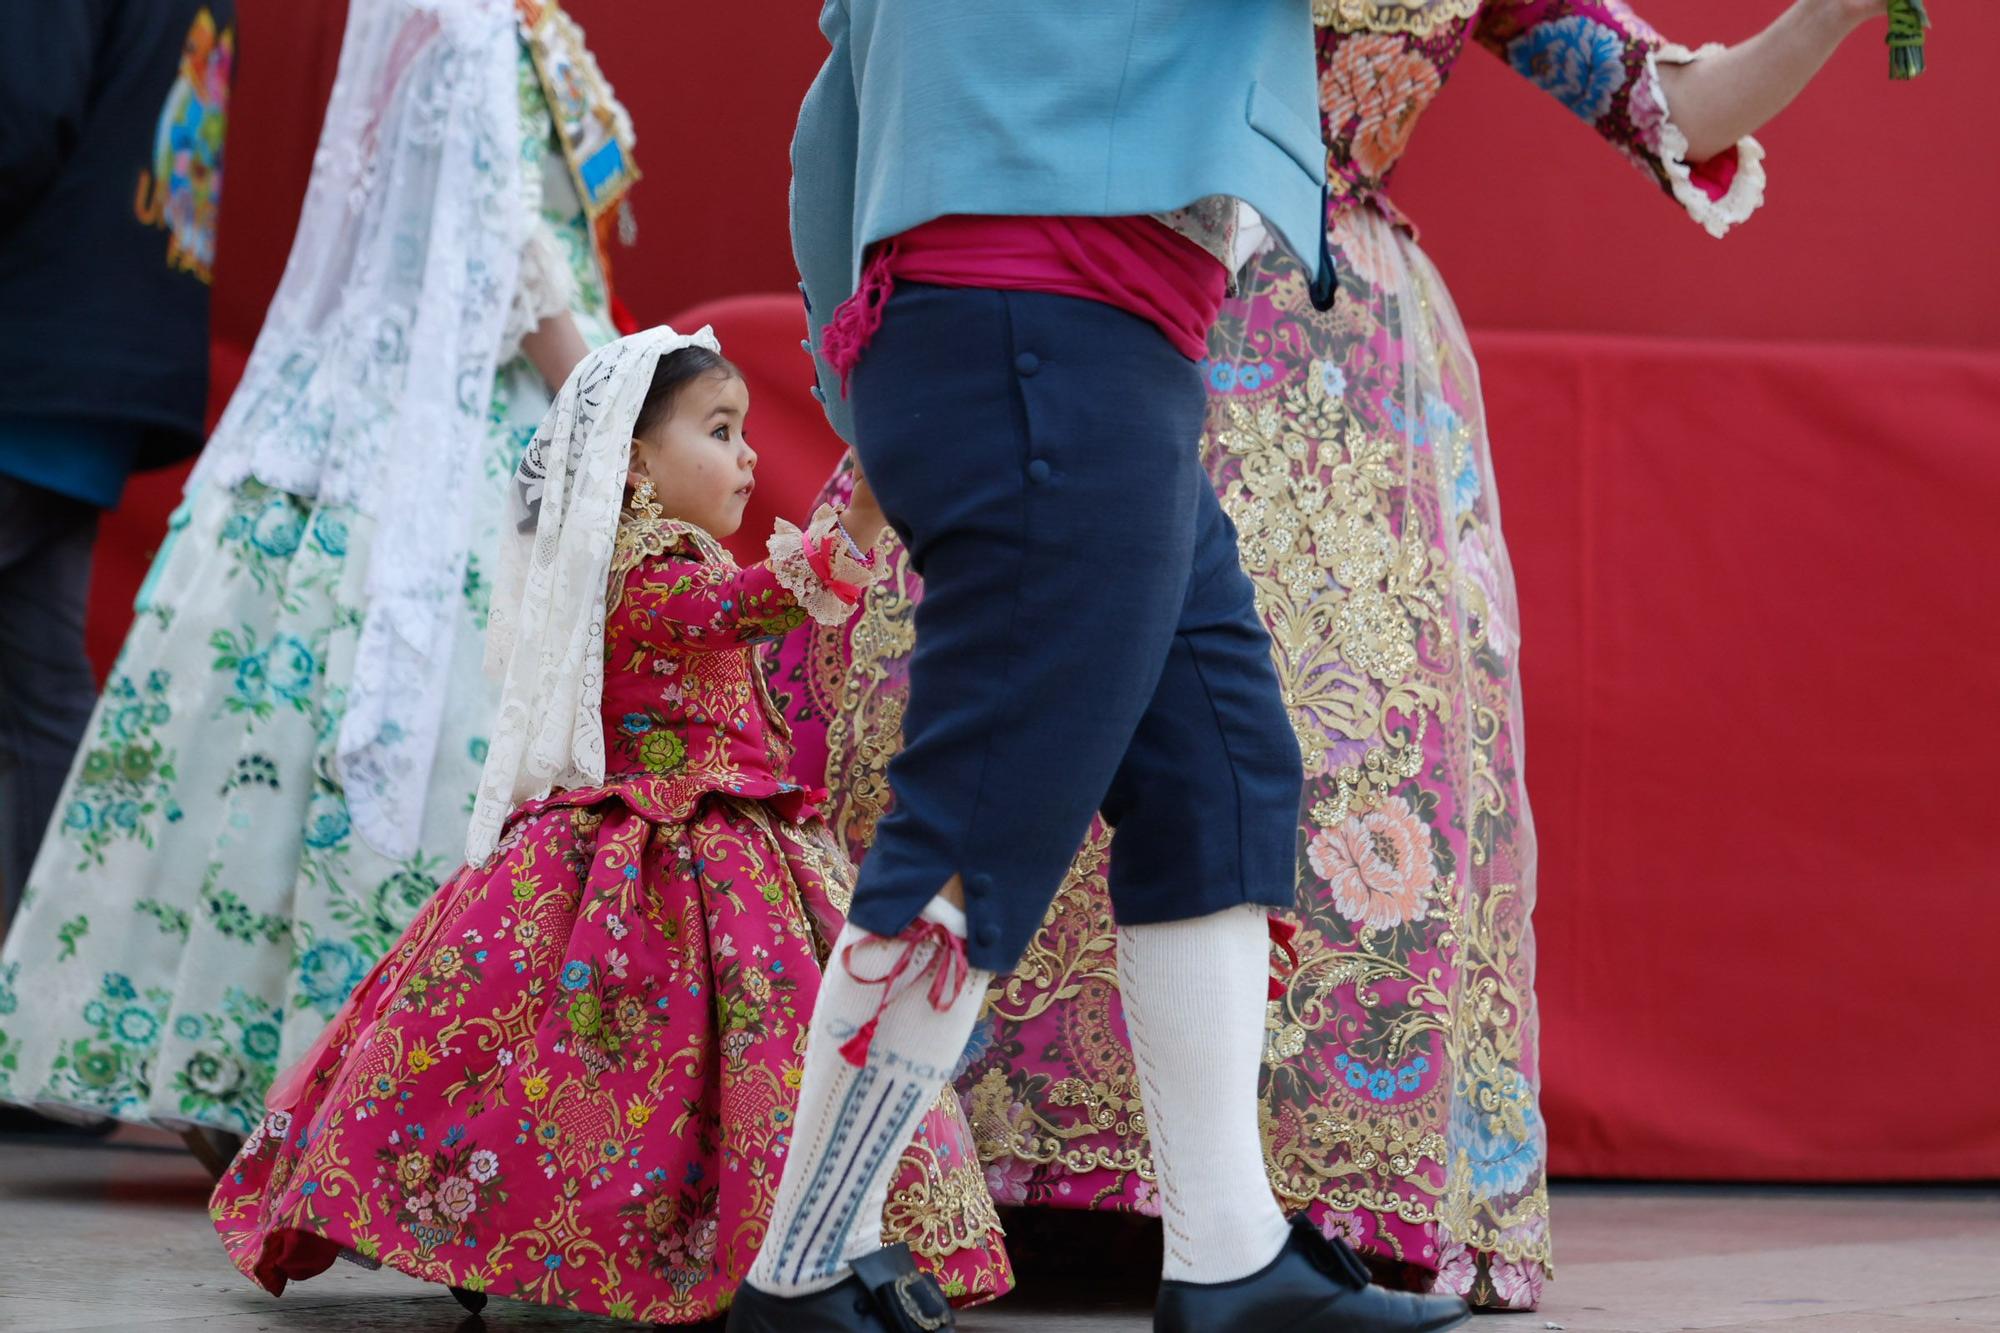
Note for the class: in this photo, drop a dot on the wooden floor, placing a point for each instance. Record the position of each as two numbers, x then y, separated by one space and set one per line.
115 1237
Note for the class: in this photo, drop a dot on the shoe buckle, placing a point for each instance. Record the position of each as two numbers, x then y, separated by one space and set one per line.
921 1302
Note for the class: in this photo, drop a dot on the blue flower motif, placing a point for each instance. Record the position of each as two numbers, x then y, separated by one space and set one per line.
1578 60
136 1026
329 971
327 821
277 530
1465 482
1221 376
250 685
477 748
553 1262
575 975
78 817
118 986
125 814
187 1027
260 1042
330 533
1382 1085
290 666
156 681
637 724
1499 1161
310 1187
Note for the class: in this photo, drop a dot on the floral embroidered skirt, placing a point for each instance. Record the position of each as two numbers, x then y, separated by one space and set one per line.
573 1080
202 903
1400 1100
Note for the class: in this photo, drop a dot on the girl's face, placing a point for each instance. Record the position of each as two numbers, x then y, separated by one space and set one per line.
697 458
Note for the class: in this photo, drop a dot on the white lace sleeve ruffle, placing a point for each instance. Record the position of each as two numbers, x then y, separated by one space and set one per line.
545 288
791 561
1655 122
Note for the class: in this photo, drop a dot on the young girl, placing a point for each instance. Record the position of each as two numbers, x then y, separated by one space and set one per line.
572 1080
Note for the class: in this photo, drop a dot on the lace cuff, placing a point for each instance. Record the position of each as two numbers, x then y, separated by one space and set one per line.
544 289
819 567
1718 193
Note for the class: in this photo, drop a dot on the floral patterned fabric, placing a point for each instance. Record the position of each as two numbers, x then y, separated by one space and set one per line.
202 904
1350 449
572 1081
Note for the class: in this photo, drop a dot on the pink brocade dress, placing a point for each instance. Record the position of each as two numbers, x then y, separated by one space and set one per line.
572 1080
1349 446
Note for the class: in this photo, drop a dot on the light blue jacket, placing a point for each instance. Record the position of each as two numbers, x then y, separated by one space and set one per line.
1103 108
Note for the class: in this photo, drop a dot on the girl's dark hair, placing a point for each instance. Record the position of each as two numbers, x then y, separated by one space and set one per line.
675 371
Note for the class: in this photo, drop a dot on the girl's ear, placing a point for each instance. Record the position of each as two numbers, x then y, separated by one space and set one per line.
635 470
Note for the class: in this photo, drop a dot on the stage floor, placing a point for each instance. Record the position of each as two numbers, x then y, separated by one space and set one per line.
116 1237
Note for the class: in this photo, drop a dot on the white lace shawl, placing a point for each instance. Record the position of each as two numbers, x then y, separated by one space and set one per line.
370 379
545 639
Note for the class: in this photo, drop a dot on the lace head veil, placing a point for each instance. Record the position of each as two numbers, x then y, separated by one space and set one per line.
545 640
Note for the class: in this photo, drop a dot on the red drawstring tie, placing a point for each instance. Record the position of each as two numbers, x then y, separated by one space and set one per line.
947 966
1282 934
820 560
854 322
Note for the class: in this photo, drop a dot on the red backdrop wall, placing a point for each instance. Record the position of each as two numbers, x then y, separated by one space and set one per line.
1749 488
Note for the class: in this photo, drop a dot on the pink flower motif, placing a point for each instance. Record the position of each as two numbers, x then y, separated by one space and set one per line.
1346 1227
456 1198
616 963
485 1165
1378 865
1482 570
1519 1286
1648 116
1007 1180
616 925
1456 1271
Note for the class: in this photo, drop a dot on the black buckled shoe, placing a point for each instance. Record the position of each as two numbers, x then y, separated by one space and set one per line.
1315 1285
886 1295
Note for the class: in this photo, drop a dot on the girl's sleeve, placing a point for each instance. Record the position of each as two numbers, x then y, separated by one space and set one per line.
696 605
1603 61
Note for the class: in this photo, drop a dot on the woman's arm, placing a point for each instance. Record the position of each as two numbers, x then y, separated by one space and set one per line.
555 347
1730 94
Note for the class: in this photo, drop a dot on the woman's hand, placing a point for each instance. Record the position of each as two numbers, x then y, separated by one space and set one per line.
863 517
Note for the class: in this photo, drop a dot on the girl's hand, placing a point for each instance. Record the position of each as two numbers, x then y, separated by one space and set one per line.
863 518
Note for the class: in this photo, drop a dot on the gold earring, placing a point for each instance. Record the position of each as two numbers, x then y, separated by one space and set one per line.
644 505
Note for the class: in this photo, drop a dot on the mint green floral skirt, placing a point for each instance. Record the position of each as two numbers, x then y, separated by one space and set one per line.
201 905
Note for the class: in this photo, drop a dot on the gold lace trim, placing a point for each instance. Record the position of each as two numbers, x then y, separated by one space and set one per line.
1419 18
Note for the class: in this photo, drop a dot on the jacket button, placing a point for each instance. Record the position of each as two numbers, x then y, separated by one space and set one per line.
1038 471
1027 363
979 885
989 936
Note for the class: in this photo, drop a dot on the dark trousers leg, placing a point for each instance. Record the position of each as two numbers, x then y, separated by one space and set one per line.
47 689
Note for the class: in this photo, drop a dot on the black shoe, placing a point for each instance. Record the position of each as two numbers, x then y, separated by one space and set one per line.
886 1295
1315 1285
